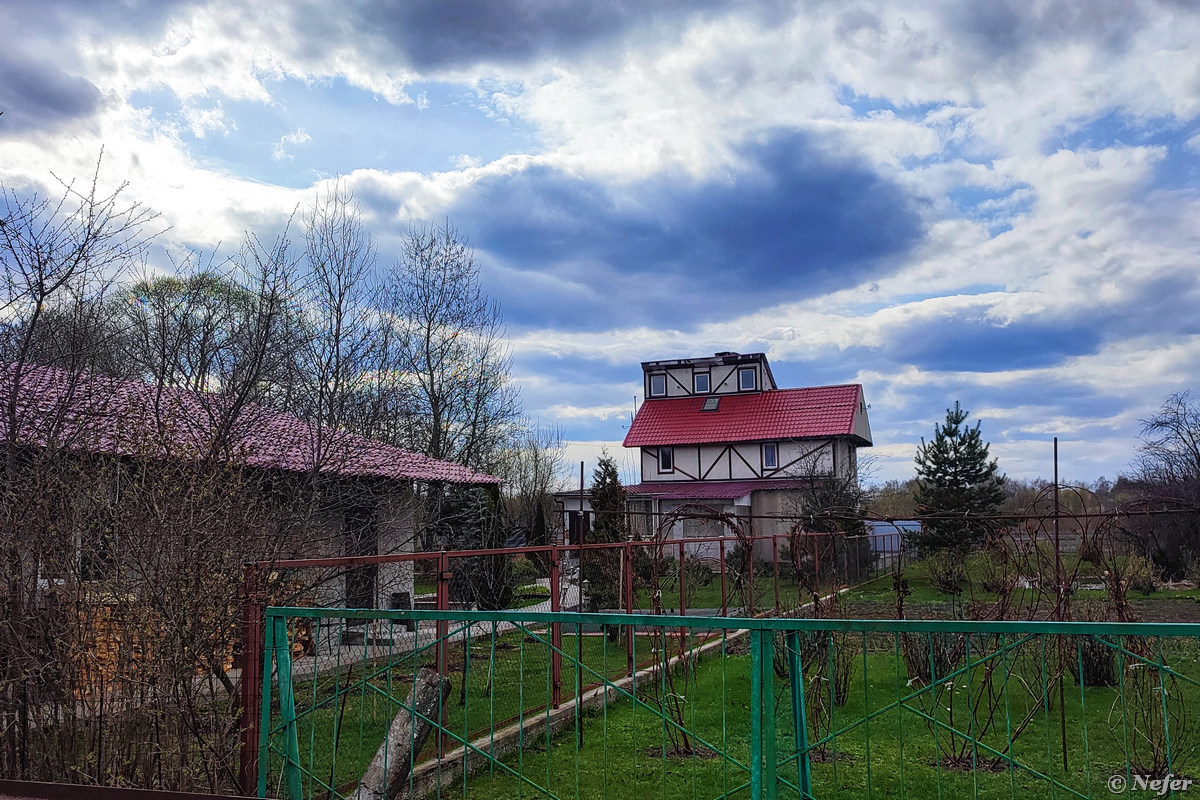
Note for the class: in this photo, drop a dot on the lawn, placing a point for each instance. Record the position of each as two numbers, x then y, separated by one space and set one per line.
876 599
626 751
892 755
342 719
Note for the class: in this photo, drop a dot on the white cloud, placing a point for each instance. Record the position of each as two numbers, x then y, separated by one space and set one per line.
294 139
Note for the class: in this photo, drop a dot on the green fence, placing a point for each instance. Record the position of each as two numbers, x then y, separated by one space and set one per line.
462 704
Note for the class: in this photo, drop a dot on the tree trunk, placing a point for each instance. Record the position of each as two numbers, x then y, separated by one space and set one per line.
393 761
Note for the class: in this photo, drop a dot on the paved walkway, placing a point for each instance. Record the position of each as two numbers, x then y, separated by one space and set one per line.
385 640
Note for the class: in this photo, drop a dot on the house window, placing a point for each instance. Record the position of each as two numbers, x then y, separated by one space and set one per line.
711 404
770 453
658 385
666 459
747 379
700 383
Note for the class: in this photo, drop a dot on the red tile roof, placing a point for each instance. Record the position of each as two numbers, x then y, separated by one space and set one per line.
779 414
712 490
97 414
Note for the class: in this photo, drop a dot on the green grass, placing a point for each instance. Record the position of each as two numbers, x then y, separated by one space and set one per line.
340 729
523 596
626 752
707 595
881 591
894 755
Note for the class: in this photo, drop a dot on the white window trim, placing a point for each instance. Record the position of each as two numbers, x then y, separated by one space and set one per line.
662 375
753 373
775 447
670 452
707 379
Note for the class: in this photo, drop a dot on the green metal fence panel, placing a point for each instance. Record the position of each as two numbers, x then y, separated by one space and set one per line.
460 704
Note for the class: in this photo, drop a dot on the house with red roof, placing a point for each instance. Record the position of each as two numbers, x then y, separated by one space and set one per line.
719 432
357 494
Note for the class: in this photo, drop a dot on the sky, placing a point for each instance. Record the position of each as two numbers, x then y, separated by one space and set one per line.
994 203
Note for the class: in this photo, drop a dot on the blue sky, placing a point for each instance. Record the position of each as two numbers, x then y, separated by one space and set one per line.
987 202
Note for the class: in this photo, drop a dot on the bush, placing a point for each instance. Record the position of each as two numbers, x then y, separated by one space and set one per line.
928 653
997 574
525 571
697 572
946 571
1142 575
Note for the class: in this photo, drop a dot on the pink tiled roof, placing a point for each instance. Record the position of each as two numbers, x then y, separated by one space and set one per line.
97 414
778 414
712 490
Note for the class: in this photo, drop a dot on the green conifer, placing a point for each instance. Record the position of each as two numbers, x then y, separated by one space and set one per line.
955 477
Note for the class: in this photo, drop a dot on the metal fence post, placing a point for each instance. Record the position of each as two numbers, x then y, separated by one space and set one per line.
775 560
264 725
766 664
250 679
724 590
799 720
756 704
555 627
682 579
442 631
627 590
287 710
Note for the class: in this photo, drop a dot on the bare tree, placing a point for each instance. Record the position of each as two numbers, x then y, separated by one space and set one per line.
531 468
340 351
452 349
1170 451
58 257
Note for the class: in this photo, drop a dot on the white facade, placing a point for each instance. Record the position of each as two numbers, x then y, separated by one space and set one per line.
719 375
742 461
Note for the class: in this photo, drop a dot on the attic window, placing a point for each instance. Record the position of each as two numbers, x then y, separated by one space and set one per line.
700 383
747 379
658 385
710 404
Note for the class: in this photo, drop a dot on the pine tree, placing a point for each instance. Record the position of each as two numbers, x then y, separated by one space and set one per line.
602 568
955 476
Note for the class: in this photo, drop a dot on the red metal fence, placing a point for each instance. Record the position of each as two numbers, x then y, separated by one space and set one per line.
741 574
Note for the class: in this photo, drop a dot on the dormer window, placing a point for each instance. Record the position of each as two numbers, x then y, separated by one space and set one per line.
700 383
658 385
666 459
770 455
747 379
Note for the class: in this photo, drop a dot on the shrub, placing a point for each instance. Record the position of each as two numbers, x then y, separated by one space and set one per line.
1142 575
928 653
1088 659
946 571
997 574
525 571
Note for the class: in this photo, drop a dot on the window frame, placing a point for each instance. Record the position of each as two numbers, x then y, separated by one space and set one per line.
774 464
661 376
696 376
753 373
669 452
